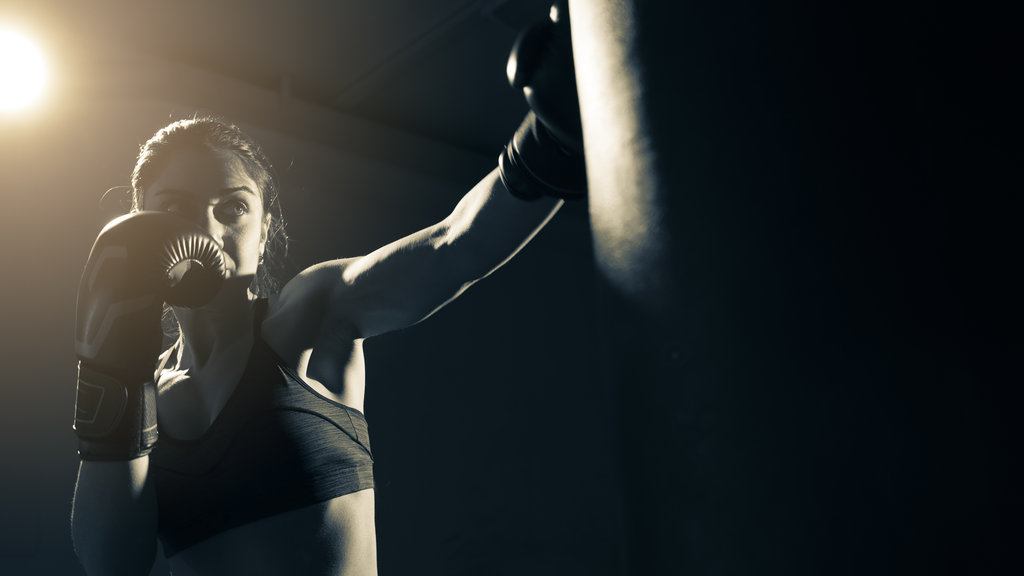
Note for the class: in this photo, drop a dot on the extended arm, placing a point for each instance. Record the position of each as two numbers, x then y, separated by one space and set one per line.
407 280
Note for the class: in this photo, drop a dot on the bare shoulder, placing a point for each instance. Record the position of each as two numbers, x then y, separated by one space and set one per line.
298 317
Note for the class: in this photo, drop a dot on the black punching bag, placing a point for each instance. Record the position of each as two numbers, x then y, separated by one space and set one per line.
788 208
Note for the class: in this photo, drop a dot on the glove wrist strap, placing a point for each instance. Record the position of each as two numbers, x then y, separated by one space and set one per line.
114 420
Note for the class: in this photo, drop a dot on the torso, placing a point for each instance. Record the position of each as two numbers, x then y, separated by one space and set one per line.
335 537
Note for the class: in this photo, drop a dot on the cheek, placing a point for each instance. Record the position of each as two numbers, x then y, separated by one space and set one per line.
250 241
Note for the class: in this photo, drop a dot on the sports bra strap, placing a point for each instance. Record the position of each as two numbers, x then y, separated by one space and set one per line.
259 311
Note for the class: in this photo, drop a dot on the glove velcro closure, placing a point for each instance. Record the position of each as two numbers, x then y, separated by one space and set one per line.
114 420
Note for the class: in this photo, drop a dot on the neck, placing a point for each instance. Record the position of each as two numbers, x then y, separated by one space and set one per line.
210 329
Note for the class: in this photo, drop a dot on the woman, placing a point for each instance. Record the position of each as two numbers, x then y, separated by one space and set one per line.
250 508
262 463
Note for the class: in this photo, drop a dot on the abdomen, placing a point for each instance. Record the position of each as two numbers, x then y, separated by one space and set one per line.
332 538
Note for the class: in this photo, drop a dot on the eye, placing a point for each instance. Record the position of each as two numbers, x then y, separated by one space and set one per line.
174 207
234 208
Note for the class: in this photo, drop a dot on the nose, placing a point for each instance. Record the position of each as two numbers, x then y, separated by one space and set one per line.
208 221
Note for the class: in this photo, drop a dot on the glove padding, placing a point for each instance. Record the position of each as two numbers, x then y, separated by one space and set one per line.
137 263
545 155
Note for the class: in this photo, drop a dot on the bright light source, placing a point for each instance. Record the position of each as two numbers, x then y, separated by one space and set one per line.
22 71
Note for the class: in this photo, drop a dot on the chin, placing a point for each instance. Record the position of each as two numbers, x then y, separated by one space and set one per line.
233 289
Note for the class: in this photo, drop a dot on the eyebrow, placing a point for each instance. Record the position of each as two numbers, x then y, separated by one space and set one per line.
221 192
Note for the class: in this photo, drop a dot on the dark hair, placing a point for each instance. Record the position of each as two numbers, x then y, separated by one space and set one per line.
219 135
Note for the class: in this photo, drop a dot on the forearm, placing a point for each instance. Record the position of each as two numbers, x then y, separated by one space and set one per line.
489 226
408 280
113 523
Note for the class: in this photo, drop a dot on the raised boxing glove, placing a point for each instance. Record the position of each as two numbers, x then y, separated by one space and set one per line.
545 155
138 262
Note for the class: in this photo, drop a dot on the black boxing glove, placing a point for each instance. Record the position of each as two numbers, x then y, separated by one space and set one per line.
137 263
545 155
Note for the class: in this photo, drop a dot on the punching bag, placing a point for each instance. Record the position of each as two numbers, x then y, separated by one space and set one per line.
785 211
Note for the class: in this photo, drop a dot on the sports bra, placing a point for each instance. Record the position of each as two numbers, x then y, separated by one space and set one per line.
277 445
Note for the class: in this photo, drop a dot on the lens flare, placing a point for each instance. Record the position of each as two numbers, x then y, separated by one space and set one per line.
22 71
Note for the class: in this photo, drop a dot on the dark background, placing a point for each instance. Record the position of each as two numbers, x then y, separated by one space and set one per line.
857 414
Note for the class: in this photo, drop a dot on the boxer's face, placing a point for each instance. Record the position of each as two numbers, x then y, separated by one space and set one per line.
213 189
